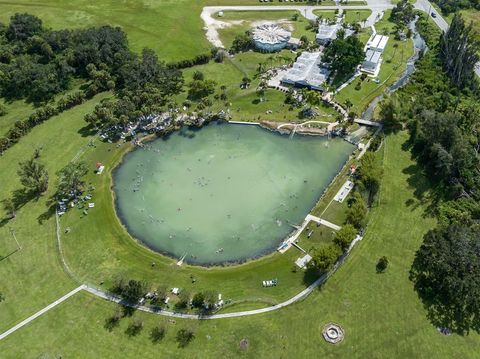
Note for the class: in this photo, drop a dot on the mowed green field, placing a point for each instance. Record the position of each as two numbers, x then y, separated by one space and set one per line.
380 313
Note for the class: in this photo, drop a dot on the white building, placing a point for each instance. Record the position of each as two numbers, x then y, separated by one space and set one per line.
378 43
307 72
372 61
373 54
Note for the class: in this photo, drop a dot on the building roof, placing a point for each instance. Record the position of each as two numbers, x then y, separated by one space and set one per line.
270 33
327 31
378 43
373 56
307 71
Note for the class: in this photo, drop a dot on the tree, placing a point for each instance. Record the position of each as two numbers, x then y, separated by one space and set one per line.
344 55
324 258
389 115
33 175
242 42
357 212
198 300
403 13
10 207
133 291
184 337
157 333
446 274
370 173
198 89
71 181
198 75
23 26
183 299
2 297
135 327
458 50
345 236
382 264
113 321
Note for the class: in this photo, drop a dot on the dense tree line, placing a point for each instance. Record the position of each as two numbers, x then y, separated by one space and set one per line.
38 63
441 109
449 6
458 51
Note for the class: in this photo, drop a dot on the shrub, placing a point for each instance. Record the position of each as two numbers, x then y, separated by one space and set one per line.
184 337
382 264
157 333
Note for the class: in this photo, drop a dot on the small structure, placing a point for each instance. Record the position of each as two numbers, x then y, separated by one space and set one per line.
307 72
270 37
303 261
99 168
293 43
175 291
333 333
344 191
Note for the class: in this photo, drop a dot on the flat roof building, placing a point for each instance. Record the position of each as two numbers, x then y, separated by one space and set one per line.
307 72
372 61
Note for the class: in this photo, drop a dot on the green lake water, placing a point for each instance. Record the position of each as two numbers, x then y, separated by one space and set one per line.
224 193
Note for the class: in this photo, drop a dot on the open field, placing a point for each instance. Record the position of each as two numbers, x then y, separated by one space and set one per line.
380 313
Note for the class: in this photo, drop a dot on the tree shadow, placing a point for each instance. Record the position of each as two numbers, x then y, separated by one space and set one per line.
425 194
442 315
49 213
310 276
111 323
20 197
87 131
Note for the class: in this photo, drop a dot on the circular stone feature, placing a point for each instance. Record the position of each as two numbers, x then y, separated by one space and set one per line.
225 193
333 333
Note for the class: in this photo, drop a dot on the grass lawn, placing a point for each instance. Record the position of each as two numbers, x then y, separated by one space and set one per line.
393 66
326 14
33 277
319 236
354 16
380 313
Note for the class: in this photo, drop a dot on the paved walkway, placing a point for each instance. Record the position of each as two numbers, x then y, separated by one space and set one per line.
40 312
322 222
